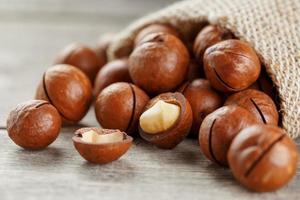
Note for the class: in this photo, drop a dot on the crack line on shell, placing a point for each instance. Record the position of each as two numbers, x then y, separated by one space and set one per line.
41 104
259 111
260 157
222 81
238 54
229 52
210 143
133 108
49 99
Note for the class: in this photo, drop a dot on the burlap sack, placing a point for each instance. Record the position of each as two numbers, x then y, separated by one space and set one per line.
272 27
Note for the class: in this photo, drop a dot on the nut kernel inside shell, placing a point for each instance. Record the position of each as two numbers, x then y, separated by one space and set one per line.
160 117
92 136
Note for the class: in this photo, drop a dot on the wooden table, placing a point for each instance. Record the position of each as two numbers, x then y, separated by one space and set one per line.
31 33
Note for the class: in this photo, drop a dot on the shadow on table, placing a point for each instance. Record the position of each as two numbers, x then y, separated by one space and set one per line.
46 158
190 152
186 153
222 176
118 171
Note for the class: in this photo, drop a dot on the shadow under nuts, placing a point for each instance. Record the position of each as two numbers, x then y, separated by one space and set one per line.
207 37
159 64
231 65
82 57
265 84
68 89
101 146
256 102
33 124
112 72
166 120
203 100
219 128
195 70
154 28
263 158
119 106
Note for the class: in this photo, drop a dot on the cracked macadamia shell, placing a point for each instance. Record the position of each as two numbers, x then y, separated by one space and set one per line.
33 124
112 72
231 65
159 63
203 100
256 102
82 57
68 89
219 128
171 137
101 153
119 106
263 158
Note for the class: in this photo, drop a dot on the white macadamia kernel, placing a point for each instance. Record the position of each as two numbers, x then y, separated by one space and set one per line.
160 117
92 136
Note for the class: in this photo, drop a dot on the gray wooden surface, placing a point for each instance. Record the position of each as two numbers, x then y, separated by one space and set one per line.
31 33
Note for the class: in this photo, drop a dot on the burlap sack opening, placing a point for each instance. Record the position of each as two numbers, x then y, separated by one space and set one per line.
272 27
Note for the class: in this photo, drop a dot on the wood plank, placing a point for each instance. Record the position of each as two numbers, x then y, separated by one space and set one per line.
145 172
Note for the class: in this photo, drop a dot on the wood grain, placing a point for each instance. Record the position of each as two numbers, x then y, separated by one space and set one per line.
31 34
145 172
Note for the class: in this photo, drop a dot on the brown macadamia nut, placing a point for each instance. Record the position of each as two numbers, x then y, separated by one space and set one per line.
82 57
159 64
263 158
119 106
207 37
203 100
102 46
101 146
166 120
231 65
68 89
219 128
154 28
258 103
33 124
112 72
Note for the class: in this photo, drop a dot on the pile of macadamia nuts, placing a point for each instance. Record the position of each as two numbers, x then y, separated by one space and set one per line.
216 92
